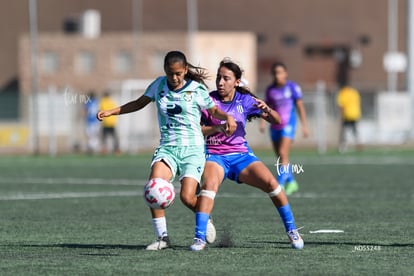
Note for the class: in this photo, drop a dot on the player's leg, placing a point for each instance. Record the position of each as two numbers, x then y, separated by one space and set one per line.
287 137
354 129
212 178
90 147
115 140
285 169
160 168
93 138
189 198
342 137
190 161
103 140
188 192
256 174
275 136
106 132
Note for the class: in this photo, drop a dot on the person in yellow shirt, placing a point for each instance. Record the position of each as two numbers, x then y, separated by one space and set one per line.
349 102
109 124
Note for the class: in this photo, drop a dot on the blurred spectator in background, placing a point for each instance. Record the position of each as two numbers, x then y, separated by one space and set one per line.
92 123
349 102
285 97
109 124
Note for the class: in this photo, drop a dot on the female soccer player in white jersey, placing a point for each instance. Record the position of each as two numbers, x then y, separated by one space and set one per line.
231 157
180 96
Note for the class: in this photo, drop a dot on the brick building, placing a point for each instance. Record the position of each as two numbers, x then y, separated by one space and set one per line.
315 39
302 33
83 64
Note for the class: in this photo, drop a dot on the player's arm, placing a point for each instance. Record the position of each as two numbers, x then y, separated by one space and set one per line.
210 130
268 114
340 103
132 106
221 115
262 125
302 116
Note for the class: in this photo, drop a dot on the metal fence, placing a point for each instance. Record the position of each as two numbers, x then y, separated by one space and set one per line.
61 125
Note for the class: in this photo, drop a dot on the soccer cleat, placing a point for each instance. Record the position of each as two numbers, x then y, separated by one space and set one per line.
291 187
160 243
198 245
211 231
295 239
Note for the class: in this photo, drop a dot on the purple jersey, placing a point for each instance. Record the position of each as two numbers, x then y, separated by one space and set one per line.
283 99
242 107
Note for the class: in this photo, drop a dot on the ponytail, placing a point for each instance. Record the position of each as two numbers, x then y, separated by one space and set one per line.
195 73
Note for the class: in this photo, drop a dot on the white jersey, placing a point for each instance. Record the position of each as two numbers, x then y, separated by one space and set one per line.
179 112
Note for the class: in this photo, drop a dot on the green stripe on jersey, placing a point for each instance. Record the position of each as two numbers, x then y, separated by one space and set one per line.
179 112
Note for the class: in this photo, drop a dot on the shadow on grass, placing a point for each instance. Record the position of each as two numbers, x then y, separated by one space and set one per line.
219 244
87 246
341 243
98 246
101 246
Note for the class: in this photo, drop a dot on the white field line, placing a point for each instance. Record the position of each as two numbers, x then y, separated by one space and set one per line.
37 196
323 231
139 192
74 181
71 180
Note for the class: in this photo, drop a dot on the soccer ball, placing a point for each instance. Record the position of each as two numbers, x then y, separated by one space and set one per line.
159 193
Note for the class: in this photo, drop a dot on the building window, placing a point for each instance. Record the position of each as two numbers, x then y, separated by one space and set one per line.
9 106
123 62
49 62
289 40
85 62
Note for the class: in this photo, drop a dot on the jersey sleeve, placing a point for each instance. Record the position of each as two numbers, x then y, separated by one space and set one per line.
251 107
204 117
296 91
204 99
152 89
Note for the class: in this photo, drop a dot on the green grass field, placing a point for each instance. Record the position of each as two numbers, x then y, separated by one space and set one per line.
80 215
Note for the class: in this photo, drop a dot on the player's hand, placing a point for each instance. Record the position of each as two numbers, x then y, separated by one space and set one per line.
231 125
262 128
305 132
221 128
102 114
262 106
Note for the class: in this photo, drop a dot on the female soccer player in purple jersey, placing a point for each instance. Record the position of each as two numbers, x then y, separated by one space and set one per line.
285 97
229 156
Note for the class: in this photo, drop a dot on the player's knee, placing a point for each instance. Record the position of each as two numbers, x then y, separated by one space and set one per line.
275 192
188 199
283 153
208 193
209 186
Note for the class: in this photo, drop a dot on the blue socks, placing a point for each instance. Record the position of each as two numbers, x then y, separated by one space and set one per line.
287 217
284 174
284 211
289 178
201 225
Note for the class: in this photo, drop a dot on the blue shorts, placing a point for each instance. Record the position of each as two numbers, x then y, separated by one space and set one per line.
288 132
233 163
